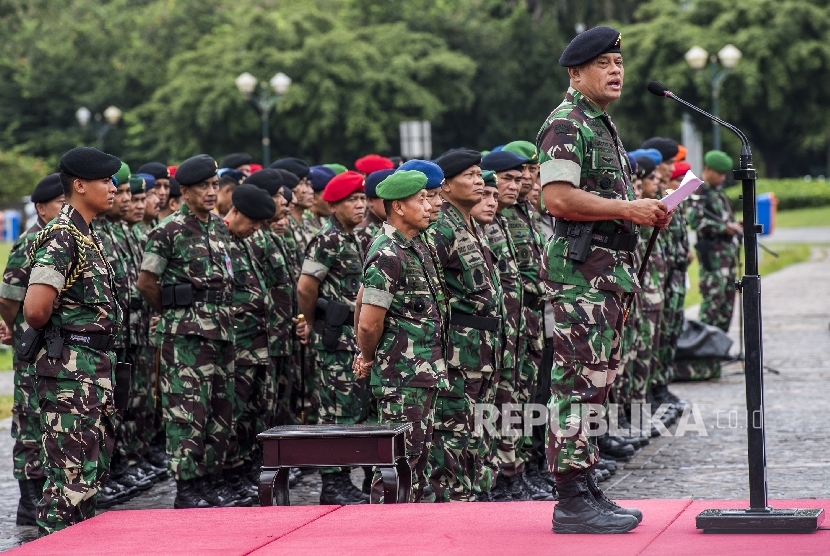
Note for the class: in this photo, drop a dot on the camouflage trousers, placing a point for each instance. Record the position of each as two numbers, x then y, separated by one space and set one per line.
697 369
305 397
78 440
284 379
459 451
341 397
27 453
531 361
630 345
672 326
717 288
505 462
137 423
408 405
197 382
645 362
586 357
254 405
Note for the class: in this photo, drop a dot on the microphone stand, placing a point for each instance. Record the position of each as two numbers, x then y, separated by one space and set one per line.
759 517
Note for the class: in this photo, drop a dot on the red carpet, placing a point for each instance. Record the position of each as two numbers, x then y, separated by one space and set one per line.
668 528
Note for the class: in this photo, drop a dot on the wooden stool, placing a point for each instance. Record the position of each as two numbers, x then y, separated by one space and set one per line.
383 446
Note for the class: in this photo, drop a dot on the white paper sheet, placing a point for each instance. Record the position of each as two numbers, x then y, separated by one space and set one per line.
688 186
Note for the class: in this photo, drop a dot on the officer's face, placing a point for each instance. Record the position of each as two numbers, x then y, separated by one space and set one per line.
49 211
601 79
279 226
414 210
282 206
201 197
245 169
99 194
351 210
527 181
434 198
465 189
376 206
240 225
485 210
535 195
137 206
303 195
162 190
319 206
650 186
510 183
120 202
151 204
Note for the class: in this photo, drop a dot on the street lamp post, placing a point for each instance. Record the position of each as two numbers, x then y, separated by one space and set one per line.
111 117
263 101
729 57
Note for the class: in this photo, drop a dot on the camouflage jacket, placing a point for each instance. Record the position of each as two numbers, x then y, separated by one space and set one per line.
368 230
677 252
505 258
140 311
184 250
285 300
311 224
140 232
15 282
578 144
473 288
119 257
67 252
715 201
252 306
293 248
654 279
280 285
399 276
335 258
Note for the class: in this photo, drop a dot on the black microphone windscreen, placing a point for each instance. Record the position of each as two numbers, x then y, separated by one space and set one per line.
657 88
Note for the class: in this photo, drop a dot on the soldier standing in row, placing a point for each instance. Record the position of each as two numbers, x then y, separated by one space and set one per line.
71 301
27 453
401 324
187 278
162 184
435 177
369 229
331 276
591 267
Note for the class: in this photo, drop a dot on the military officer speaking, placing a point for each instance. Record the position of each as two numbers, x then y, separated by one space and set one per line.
591 266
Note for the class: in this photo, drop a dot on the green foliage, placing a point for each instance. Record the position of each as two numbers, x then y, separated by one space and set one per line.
791 193
804 218
20 175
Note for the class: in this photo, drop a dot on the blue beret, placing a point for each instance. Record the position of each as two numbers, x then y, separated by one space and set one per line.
320 176
500 161
433 172
497 149
196 169
589 44
47 189
149 181
652 154
232 174
372 181
89 164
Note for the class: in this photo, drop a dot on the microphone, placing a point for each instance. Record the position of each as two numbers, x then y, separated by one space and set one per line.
657 88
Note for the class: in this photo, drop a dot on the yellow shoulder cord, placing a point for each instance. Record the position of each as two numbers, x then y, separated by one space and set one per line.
81 241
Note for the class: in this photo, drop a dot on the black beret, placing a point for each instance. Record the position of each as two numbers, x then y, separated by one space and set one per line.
235 160
155 169
253 202
501 161
175 189
288 178
268 179
47 189
287 193
89 164
294 165
233 175
589 44
667 147
372 181
455 161
196 169
645 166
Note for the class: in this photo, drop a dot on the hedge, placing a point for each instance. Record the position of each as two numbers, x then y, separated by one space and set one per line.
791 193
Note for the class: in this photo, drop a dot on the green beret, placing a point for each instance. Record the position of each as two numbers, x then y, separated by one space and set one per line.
718 161
525 149
122 176
136 184
489 177
401 185
337 168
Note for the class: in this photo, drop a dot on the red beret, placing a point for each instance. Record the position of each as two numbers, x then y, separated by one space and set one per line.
680 169
372 163
343 185
172 171
255 167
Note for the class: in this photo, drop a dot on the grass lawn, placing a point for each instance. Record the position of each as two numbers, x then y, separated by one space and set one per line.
804 218
788 254
6 405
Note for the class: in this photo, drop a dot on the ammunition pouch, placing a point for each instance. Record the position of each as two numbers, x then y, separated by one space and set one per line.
534 302
29 345
55 338
581 236
185 295
121 388
474 321
335 315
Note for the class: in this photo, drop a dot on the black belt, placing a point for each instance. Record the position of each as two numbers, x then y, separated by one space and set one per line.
616 240
217 297
472 321
534 302
136 303
101 342
717 237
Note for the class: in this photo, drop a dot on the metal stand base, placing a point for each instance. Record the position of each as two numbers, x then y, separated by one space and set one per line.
754 521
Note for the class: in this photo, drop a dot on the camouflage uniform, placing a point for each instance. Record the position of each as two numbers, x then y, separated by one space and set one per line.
677 259
505 259
28 448
474 340
579 144
409 368
368 230
196 342
254 380
311 224
524 225
335 258
716 252
75 391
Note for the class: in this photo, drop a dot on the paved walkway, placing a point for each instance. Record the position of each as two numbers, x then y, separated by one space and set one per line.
796 305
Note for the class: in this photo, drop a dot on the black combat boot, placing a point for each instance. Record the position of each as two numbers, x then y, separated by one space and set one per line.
539 488
240 487
31 491
333 492
216 491
607 464
631 436
609 504
113 493
348 486
189 495
517 488
614 447
578 511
